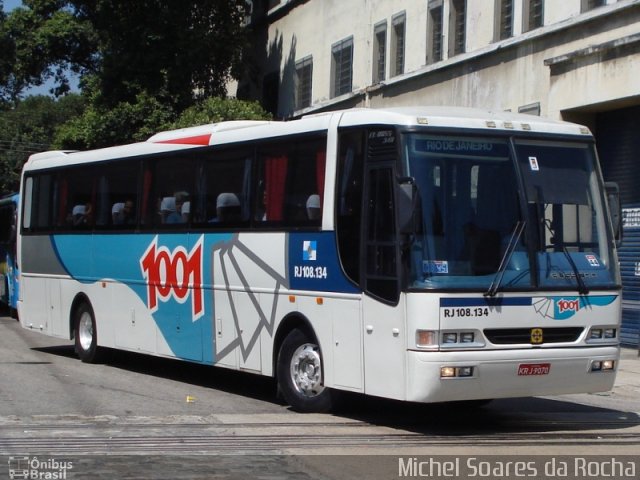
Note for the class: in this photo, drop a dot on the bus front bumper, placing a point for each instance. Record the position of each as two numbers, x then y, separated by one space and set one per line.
509 373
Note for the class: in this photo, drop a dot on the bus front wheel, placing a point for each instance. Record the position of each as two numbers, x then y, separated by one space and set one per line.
86 334
300 375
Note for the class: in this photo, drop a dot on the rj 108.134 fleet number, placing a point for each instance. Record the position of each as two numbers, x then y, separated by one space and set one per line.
310 272
466 312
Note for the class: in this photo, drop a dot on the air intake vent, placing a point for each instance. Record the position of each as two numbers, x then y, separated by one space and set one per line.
514 336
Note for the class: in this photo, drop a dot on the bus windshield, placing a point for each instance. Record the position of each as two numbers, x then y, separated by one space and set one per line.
476 228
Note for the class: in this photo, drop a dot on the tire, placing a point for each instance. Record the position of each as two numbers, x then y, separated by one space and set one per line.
300 374
86 334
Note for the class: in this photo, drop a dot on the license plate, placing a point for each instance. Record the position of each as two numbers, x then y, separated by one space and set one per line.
534 368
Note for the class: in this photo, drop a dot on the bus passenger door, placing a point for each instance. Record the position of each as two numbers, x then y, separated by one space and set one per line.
384 331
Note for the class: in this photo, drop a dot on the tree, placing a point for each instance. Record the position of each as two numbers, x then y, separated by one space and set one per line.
184 50
136 121
176 51
29 128
44 40
141 63
126 122
215 109
7 54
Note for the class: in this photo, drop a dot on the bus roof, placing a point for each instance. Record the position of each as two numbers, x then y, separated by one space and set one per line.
462 118
237 131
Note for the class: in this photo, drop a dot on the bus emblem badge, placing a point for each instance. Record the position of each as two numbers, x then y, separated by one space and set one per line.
309 250
536 336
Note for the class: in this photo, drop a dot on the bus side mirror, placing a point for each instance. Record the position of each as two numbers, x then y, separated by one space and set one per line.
407 205
615 209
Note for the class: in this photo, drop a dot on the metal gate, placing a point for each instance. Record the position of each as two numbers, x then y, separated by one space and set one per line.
619 149
629 255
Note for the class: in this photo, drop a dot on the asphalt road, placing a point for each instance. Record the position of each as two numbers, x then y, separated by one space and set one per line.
136 416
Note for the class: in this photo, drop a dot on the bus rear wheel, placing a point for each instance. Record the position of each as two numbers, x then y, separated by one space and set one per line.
300 375
86 334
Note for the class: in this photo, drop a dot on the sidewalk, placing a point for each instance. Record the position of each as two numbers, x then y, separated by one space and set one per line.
628 377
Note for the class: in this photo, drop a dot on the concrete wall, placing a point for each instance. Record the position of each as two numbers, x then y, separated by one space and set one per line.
551 65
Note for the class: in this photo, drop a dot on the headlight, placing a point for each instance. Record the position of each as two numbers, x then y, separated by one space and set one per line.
467 337
457 338
456 372
602 334
603 365
449 337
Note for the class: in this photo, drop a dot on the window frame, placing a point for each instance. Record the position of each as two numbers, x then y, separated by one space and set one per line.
503 19
342 67
379 52
398 43
457 27
304 82
532 15
435 31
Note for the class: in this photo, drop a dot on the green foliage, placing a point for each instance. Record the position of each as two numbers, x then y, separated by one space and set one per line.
144 67
126 122
177 51
43 40
136 121
29 128
215 109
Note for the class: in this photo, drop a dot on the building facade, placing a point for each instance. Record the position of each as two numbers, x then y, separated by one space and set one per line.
576 60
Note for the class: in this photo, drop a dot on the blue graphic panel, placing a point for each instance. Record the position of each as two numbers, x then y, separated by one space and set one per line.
160 270
313 264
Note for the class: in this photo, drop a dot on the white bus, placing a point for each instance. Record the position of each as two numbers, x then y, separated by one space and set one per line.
420 254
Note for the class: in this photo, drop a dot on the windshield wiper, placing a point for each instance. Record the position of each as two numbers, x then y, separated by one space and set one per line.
582 287
511 246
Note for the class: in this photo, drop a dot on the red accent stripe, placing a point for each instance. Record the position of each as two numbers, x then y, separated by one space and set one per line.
196 140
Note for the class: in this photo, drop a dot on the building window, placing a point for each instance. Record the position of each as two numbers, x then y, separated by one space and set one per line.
304 72
434 31
397 43
380 52
504 19
533 15
342 67
457 27
591 4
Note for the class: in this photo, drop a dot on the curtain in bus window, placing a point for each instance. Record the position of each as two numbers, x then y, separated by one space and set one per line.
276 177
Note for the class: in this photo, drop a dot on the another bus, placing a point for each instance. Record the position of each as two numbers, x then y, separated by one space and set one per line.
421 254
9 271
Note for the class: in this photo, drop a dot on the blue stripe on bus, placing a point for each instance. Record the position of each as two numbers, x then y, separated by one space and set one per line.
486 302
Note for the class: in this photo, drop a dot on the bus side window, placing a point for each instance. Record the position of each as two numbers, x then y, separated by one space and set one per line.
82 195
223 187
116 206
290 186
167 187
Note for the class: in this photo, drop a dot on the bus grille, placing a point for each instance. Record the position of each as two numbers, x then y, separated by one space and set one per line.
506 336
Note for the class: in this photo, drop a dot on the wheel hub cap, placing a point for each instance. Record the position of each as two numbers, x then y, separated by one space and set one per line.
306 370
85 331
